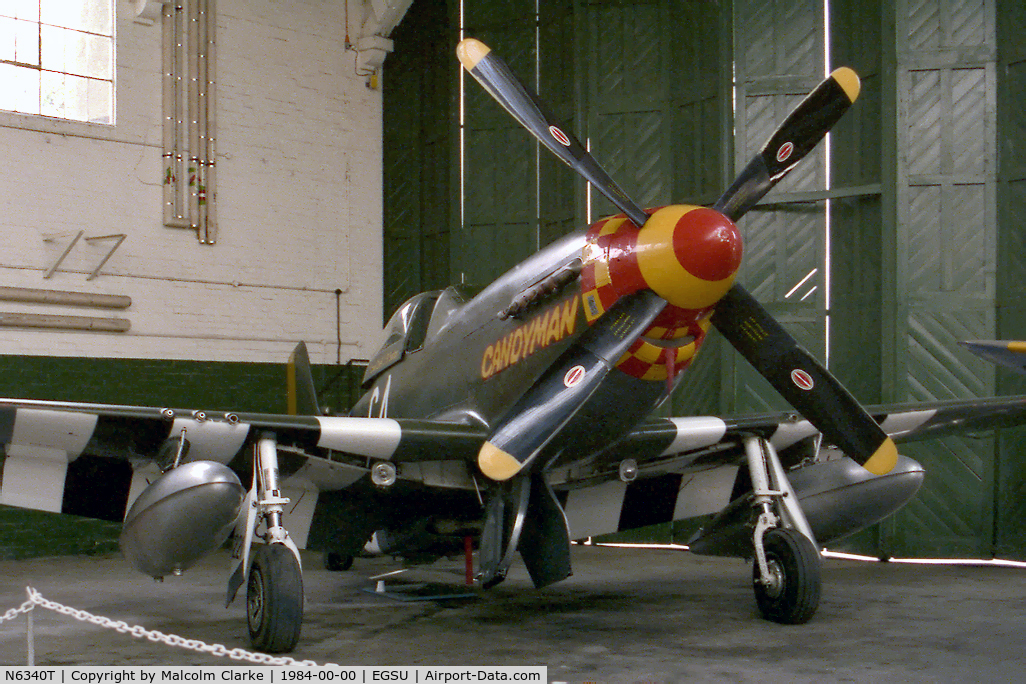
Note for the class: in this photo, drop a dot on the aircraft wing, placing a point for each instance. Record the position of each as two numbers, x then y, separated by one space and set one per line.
93 459
1010 354
682 444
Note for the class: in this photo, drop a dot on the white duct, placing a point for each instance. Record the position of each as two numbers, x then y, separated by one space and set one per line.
168 133
28 320
211 118
200 151
29 295
176 59
192 102
189 28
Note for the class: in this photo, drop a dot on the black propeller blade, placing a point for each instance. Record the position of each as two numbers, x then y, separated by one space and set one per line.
803 381
540 414
553 400
497 78
792 370
797 136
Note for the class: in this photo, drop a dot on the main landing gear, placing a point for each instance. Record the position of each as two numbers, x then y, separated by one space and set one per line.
786 571
273 573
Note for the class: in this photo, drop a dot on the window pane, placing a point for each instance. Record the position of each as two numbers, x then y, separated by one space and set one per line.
58 48
98 62
52 94
94 16
19 89
77 53
74 97
8 41
20 9
19 41
100 102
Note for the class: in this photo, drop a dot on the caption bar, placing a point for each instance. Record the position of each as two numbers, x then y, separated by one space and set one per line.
156 674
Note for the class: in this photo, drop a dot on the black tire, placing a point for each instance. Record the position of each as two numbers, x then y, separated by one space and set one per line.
794 564
337 562
274 599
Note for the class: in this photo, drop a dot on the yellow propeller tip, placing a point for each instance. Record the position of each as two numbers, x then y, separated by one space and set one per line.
883 459
849 81
470 51
496 463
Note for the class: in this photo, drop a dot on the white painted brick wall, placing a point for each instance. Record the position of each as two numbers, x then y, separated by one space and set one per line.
298 203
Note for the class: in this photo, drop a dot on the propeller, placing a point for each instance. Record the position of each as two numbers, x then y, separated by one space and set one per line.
500 82
550 403
803 381
538 416
799 377
796 137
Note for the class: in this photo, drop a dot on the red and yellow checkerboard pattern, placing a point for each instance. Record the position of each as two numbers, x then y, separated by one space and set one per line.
610 271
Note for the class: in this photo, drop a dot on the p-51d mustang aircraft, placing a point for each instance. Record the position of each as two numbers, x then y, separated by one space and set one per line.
519 417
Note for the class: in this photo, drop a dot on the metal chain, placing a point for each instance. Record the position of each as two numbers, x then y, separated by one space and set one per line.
15 612
36 599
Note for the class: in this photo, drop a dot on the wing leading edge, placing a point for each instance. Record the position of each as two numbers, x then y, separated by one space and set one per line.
681 444
92 459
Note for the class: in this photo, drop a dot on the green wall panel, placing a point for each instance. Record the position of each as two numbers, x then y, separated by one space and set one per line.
1010 491
699 83
945 261
561 191
419 136
626 55
500 167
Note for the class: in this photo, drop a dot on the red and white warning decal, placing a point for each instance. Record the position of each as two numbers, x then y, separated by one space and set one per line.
785 151
573 376
802 380
560 136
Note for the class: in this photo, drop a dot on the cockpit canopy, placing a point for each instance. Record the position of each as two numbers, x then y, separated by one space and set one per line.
409 326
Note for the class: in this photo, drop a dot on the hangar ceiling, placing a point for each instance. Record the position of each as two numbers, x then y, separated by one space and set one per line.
880 252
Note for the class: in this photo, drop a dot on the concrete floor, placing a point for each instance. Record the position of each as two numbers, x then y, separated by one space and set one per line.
626 616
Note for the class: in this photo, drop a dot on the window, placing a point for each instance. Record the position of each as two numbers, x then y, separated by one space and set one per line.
57 58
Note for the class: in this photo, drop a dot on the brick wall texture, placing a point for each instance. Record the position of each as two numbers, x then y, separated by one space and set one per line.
298 201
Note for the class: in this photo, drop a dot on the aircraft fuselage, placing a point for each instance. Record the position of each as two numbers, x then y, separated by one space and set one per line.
477 358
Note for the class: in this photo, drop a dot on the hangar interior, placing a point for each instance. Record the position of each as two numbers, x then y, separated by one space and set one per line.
892 242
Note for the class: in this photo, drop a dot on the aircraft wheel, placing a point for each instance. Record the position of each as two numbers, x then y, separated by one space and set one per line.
274 599
792 596
336 562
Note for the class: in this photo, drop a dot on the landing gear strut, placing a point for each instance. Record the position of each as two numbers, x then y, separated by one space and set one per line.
272 573
786 571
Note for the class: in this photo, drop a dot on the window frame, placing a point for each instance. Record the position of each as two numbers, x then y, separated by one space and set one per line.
43 65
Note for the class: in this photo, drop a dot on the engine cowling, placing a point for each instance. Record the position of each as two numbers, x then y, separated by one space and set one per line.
183 515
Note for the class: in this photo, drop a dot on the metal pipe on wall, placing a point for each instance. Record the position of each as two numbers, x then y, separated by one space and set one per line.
200 151
190 118
29 295
211 153
168 132
178 105
192 38
25 320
